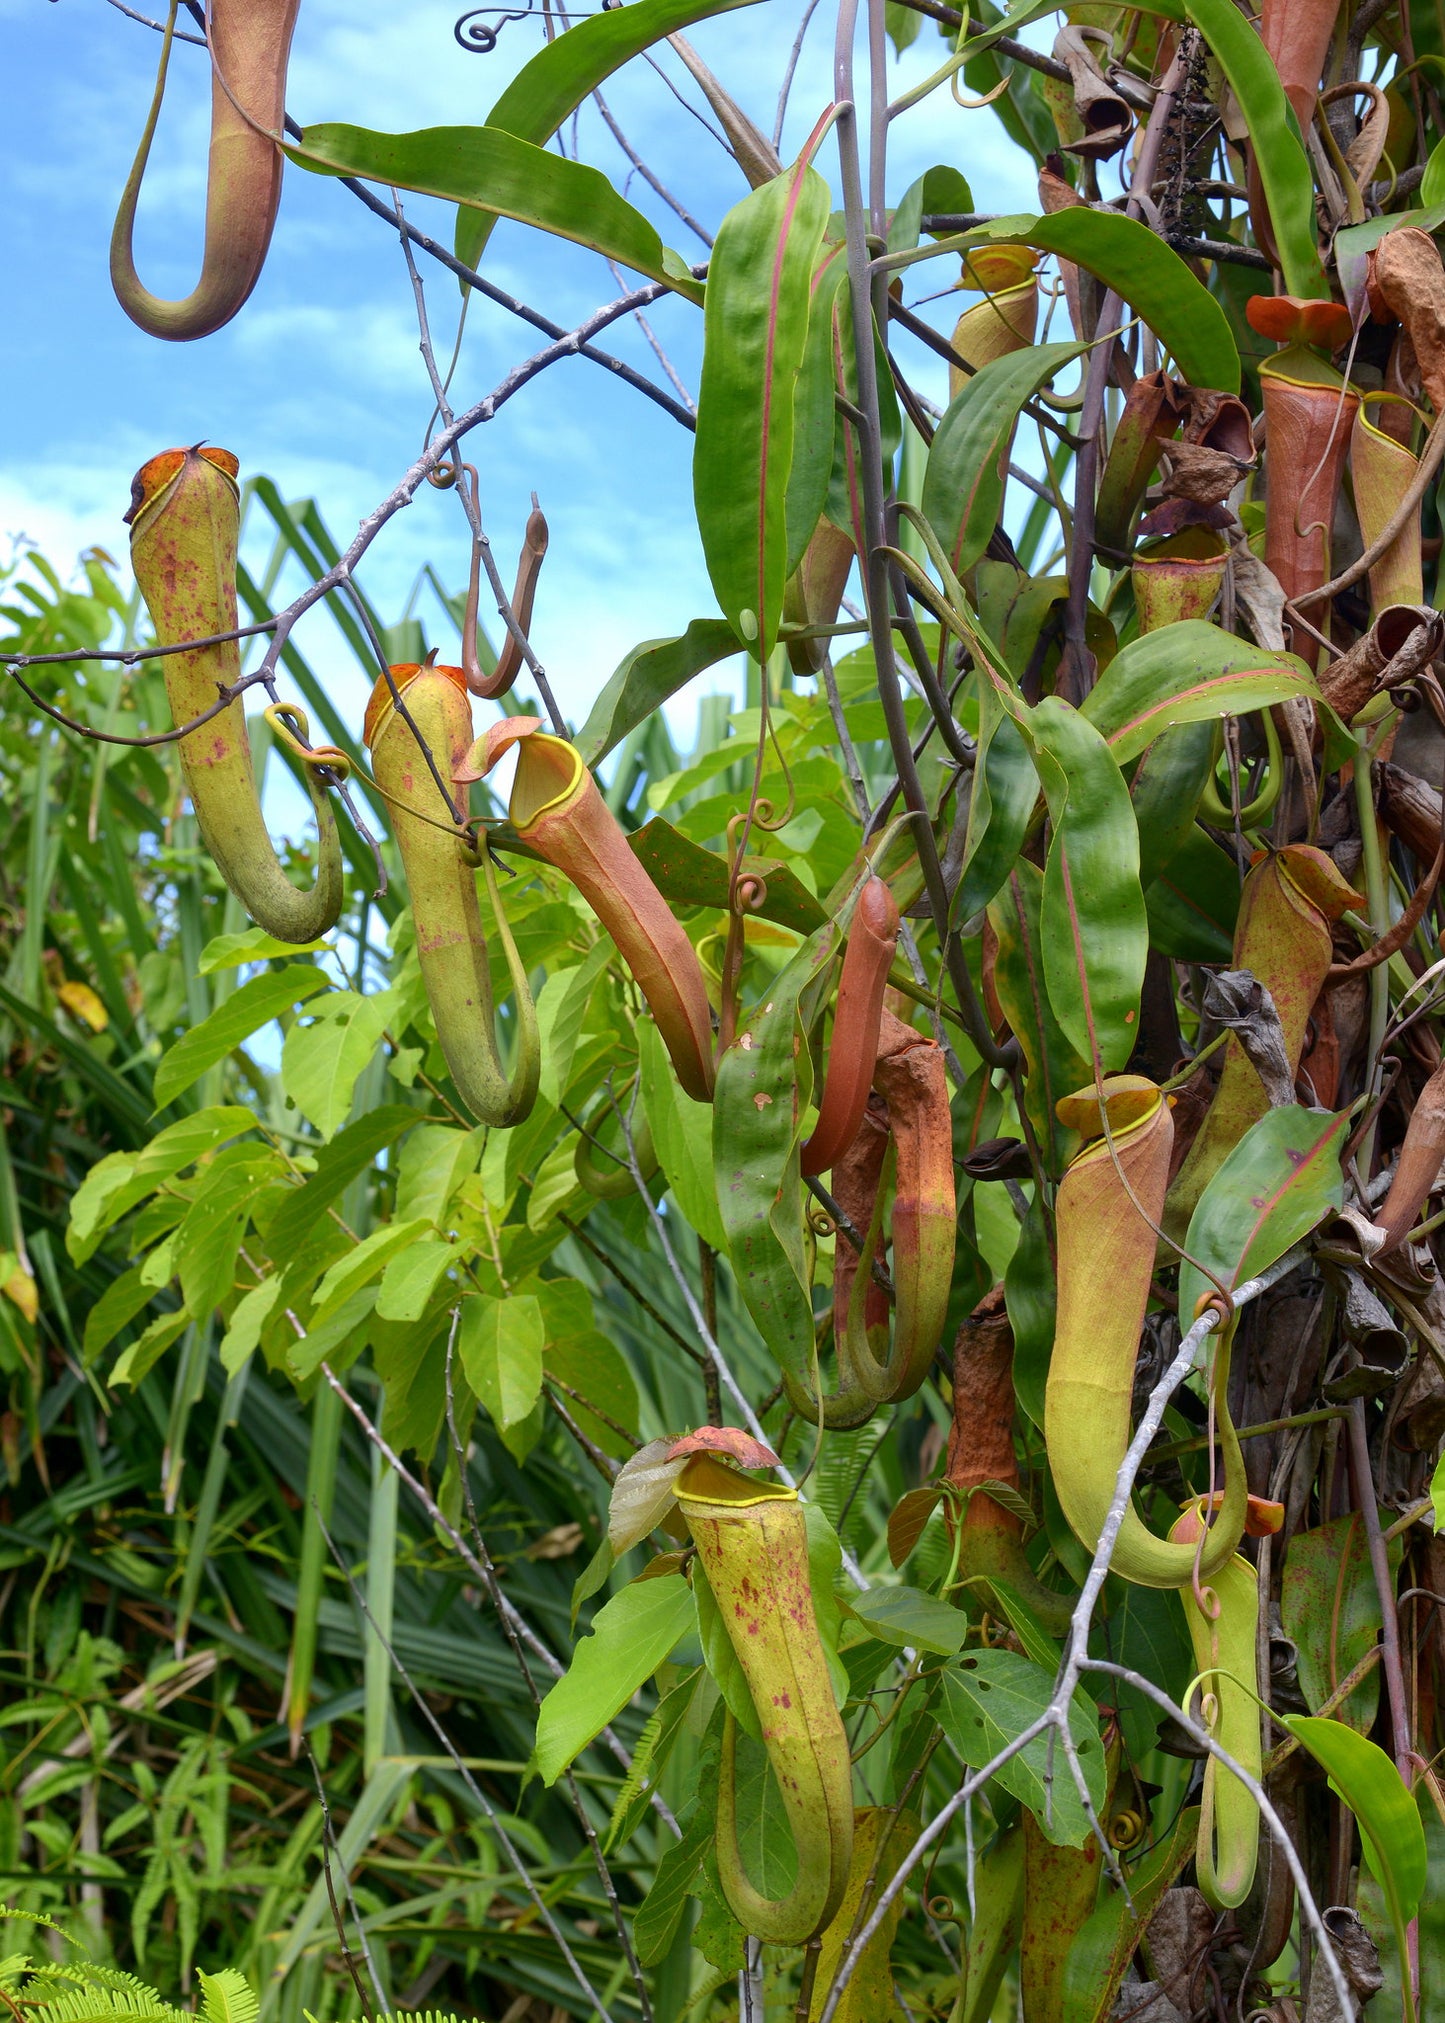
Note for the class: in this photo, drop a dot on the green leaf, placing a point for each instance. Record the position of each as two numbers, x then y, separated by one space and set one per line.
1279 155
208 1239
244 1012
1143 272
350 1153
1190 672
547 90
688 875
1330 1609
118 1305
939 189
1278 1183
816 421
366 1260
336 1337
1427 1941
1093 924
227 1997
907 1616
500 1345
504 177
320 1061
561 1013
649 1759
963 484
630 1637
992 1696
654 671
755 326
1165 790
660 1913
411 1277
681 1137
434 1161
1027 11
1031 1296
1005 791
146 1351
1372 1788
589 1364
249 1315
1055 1066
1194 901
116 1183
760 1098
230 951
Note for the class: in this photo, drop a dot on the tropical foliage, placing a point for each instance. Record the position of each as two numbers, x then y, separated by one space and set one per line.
613 1384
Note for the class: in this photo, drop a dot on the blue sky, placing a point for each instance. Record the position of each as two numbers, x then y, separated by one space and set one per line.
319 382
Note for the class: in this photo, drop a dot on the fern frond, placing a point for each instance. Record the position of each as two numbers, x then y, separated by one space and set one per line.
39 1918
109 2005
91 1974
228 1997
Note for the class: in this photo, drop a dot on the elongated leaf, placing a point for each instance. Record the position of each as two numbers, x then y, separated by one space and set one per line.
1281 1179
1279 155
350 1152
1055 1066
964 483
1165 789
502 176
368 1259
1330 1609
682 1138
651 673
755 329
1194 901
118 1305
1190 672
547 90
688 875
1143 272
1388 1818
1005 789
244 1012
763 1086
1094 927
630 1638
208 1239
993 1696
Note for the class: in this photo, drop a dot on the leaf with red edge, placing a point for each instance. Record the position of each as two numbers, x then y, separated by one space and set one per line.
1279 1182
730 1440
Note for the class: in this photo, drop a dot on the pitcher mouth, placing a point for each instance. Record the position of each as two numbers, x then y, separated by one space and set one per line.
159 472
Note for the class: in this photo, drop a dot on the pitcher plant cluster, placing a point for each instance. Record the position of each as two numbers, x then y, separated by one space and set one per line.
1018 1040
